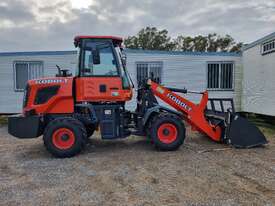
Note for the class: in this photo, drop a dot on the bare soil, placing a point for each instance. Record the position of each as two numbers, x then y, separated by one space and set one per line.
131 172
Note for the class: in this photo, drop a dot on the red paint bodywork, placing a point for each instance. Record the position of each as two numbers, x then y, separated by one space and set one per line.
87 89
117 40
98 37
61 103
193 113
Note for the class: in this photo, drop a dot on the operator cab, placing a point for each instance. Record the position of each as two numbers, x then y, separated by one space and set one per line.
102 74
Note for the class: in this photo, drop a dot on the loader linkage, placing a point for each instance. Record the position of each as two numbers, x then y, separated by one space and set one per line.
219 125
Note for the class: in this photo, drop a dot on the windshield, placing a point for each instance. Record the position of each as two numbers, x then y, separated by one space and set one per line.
107 65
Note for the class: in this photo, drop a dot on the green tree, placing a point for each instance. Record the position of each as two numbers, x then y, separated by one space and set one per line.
150 38
237 47
153 39
212 42
183 43
200 43
217 43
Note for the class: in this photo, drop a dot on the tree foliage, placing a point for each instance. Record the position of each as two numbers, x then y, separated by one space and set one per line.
153 39
150 38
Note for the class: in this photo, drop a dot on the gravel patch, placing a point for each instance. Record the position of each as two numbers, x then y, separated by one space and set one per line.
131 172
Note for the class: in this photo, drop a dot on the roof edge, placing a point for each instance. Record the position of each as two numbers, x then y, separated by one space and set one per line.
259 41
37 53
141 51
237 54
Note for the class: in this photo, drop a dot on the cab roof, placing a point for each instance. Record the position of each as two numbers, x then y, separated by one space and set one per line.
115 39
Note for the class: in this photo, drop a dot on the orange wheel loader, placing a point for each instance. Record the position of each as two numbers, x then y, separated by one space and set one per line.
67 109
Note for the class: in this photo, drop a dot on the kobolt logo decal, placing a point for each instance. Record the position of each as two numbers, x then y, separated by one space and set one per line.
51 81
178 102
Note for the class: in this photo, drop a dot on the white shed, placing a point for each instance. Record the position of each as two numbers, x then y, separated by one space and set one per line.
17 67
220 73
258 94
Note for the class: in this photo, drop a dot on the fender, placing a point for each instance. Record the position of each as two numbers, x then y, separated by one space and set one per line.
157 109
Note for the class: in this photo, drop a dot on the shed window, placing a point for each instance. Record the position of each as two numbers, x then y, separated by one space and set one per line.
149 69
268 47
220 75
24 71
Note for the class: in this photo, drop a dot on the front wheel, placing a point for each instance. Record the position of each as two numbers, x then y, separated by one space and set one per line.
65 137
167 132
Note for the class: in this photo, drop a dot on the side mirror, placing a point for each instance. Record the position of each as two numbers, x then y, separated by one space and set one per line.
96 56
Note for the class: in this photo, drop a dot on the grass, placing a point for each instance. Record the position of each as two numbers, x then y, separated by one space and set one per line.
3 120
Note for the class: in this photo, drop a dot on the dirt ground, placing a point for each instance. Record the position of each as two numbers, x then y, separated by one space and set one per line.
131 172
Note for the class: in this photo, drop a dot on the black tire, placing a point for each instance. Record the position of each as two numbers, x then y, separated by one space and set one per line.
69 128
167 132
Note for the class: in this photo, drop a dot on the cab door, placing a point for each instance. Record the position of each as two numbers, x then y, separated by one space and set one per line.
99 74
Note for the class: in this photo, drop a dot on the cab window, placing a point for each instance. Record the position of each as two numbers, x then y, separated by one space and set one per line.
105 65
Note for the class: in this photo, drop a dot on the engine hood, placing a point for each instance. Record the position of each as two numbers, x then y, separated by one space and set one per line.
49 95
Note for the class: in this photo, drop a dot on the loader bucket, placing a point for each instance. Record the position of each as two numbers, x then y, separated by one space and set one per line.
244 134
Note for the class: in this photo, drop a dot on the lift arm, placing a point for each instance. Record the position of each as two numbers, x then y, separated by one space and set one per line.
192 113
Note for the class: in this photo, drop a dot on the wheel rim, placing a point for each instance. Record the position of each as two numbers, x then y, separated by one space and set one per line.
63 138
167 133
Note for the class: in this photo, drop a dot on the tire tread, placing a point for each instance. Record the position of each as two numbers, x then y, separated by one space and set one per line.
70 121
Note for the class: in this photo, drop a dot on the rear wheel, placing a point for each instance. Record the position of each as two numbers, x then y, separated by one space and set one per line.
65 137
167 132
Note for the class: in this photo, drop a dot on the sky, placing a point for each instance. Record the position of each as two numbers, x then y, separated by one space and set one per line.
35 25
